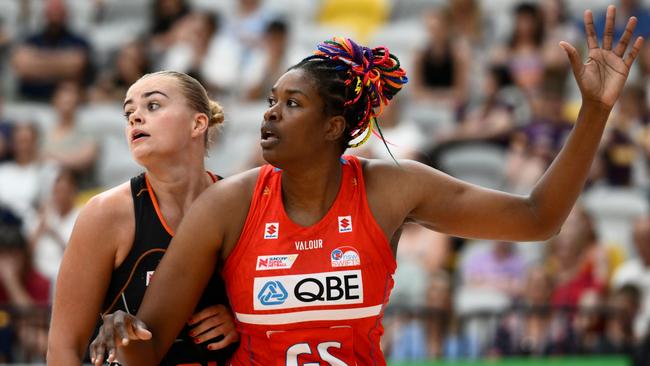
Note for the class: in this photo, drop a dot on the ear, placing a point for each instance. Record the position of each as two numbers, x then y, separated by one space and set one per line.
334 128
199 124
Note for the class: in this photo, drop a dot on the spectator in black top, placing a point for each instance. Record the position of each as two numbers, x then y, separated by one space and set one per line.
51 55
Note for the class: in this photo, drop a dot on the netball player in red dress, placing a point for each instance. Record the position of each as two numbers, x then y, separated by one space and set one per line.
305 244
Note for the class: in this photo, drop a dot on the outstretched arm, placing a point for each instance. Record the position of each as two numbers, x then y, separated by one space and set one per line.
458 208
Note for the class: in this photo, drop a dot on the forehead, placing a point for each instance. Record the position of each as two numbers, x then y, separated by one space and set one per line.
161 83
296 79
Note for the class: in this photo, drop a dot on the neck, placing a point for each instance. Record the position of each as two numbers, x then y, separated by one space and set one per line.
177 185
309 191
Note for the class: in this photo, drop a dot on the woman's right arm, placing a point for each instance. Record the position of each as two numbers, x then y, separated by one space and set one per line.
105 224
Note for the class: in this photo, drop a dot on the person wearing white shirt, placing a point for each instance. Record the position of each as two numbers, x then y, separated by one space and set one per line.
637 271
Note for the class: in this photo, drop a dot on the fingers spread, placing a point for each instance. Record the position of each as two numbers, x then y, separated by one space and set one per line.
636 47
574 57
625 38
608 36
592 39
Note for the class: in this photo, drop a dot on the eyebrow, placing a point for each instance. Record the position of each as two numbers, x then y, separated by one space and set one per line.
291 91
145 95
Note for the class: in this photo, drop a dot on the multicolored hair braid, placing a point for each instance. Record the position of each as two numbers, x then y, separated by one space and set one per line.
353 81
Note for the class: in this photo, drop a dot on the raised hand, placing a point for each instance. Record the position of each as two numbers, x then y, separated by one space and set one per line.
602 77
118 328
211 323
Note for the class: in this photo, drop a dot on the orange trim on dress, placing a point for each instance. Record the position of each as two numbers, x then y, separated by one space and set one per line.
152 195
128 281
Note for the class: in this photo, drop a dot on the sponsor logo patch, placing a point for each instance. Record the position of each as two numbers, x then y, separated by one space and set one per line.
271 230
272 293
345 224
268 262
345 256
313 289
148 277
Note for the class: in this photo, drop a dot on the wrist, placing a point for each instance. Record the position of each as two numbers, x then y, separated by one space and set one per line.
597 106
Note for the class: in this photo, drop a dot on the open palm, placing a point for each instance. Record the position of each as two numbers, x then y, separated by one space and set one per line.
602 77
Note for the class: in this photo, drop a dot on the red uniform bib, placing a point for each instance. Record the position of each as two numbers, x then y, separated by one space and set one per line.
307 296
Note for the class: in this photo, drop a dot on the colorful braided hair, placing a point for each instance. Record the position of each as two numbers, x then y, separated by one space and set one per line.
354 80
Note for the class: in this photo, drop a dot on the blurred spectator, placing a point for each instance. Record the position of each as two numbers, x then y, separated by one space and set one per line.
130 64
558 27
576 260
51 55
621 144
165 14
56 217
20 284
25 178
268 62
65 144
189 42
403 136
492 119
361 17
230 50
421 252
523 54
532 328
589 324
5 136
441 68
499 268
624 10
466 20
434 332
4 37
636 271
22 289
642 352
534 147
623 307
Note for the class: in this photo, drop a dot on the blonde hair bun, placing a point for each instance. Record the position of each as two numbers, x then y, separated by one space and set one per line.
216 114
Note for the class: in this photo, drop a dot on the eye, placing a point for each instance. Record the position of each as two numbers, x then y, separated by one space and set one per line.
292 103
127 114
152 106
271 101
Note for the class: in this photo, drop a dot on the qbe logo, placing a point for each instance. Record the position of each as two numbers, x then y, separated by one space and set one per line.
272 293
345 224
271 230
313 289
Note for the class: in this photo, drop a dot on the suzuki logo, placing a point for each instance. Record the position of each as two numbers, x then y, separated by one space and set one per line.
271 230
273 293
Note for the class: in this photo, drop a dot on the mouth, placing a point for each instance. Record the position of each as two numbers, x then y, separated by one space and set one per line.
138 135
268 138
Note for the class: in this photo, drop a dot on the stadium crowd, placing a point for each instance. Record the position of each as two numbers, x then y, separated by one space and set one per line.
489 98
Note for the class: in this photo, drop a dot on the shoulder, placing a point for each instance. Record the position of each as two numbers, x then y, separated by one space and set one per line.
378 171
232 194
110 215
104 229
114 204
238 185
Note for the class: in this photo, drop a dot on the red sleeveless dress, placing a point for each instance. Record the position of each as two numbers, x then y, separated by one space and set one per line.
310 295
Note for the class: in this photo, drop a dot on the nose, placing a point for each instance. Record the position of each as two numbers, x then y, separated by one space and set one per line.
135 118
272 113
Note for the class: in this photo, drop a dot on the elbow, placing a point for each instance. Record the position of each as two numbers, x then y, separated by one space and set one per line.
544 230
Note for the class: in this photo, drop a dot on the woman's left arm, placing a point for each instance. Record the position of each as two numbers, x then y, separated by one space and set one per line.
458 208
